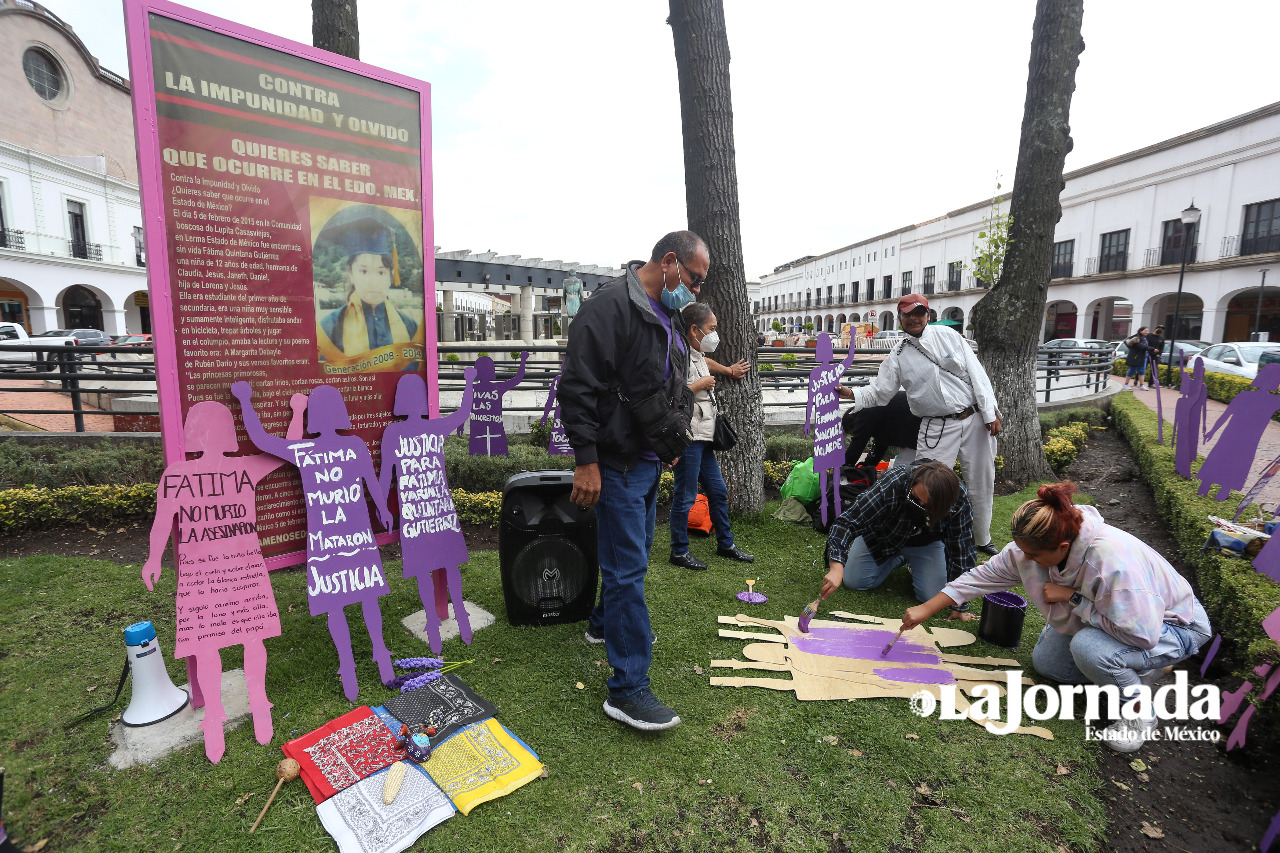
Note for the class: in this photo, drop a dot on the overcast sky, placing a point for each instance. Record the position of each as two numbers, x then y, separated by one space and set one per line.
557 124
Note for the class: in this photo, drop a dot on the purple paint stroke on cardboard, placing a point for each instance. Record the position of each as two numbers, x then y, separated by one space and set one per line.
1241 731
1190 417
343 563
487 436
1245 420
1211 654
1272 683
916 675
822 415
1231 701
559 444
863 644
430 532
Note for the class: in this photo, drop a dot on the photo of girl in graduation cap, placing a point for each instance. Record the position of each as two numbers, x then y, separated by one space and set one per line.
369 292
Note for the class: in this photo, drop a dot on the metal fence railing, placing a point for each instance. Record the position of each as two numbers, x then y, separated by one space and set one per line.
64 369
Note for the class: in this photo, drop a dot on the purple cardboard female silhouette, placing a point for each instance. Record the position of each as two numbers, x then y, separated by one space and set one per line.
1190 417
1246 418
224 595
431 537
559 444
343 563
488 438
823 413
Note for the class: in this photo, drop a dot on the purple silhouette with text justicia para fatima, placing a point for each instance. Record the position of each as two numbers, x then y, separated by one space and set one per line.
1245 419
823 414
224 596
343 563
431 539
488 437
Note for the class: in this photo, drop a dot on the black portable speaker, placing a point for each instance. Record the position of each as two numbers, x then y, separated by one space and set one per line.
547 547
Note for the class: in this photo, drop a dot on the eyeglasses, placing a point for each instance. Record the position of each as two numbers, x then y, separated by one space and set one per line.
695 281
915 502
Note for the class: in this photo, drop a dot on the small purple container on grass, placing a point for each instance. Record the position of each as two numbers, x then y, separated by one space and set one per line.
1002 616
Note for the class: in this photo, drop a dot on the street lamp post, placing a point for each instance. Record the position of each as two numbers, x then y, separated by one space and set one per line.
1190 217
1257 322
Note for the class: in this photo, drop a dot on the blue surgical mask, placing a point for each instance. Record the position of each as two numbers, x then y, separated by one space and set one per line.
676 299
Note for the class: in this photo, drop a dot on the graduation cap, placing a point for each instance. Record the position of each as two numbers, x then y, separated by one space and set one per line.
356 231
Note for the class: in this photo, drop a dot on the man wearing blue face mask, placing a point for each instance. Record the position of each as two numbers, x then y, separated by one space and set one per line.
625 405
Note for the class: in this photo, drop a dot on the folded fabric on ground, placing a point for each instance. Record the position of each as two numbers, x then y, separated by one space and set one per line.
446 703
360 822
343 751
482 762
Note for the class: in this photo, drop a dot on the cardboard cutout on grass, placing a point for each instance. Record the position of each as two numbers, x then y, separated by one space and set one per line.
822 413
839 660
343 563
1245 420
1190 418
224 595
487 436
559 444
432 546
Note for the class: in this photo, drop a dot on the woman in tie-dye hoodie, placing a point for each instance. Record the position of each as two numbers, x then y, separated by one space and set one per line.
1118 613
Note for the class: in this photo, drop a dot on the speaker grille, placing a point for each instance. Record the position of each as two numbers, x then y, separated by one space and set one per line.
548 573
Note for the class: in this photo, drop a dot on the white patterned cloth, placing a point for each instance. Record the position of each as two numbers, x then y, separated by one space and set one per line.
360 822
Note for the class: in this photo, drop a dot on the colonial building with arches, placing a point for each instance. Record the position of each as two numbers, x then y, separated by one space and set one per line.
71 253
1118 249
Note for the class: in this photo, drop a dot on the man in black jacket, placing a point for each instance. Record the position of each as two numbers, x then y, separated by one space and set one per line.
1155 355
626 345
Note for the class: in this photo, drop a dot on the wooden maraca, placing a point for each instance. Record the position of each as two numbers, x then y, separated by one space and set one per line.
286 771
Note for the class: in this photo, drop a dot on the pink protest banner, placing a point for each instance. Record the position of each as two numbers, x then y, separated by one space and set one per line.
286 198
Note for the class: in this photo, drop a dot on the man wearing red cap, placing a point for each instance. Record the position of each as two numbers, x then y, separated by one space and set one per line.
949 391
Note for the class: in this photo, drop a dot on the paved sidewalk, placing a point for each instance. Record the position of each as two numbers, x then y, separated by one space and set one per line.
15 400
1268 449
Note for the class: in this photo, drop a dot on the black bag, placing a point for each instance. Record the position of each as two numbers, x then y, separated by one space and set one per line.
724 437
849 492
665 426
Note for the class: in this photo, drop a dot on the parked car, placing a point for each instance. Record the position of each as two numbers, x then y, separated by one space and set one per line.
1238 359
1186 349
74 337
131 341
1066 352
13 335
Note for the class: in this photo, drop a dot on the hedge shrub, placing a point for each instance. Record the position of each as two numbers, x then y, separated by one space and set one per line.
490 473
103 463
37 508
1063 443
1090 415
787 448
1236 597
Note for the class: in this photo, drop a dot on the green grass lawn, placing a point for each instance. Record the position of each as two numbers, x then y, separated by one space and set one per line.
749 769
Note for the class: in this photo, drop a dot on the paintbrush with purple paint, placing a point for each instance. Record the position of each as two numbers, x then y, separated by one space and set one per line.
889 647
810 611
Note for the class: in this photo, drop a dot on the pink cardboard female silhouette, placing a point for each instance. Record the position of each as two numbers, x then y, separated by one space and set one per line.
488 437
224 595
559 444
431 537
823 412
343 563
1245 419
1190 417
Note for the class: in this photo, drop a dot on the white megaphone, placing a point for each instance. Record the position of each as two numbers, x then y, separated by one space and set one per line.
155 697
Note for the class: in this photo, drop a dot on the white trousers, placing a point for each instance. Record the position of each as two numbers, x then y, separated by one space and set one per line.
969 440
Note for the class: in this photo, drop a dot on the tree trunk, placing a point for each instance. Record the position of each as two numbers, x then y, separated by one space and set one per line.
1008 320
711 197
334 27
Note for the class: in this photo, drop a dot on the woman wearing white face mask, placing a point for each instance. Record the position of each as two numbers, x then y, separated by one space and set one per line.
698 464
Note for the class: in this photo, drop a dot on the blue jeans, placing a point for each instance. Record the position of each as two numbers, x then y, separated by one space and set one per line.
928 568
699 464
625 516
1094 656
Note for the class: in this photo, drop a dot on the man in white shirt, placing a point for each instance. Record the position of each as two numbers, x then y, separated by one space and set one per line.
950 392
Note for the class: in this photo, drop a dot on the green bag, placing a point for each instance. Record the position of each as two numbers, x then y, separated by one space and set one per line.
802 483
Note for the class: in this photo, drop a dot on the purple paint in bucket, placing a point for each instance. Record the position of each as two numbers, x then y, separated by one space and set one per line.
1002 617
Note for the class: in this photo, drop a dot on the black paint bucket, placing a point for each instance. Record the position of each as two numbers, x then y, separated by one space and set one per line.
1002 617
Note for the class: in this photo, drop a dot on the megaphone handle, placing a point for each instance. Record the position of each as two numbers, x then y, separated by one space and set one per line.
75 721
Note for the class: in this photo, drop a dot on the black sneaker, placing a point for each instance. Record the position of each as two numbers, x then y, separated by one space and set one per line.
596 639
989 549
688 561
642 711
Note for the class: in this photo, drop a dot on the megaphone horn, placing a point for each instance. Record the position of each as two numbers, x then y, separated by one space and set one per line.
155 697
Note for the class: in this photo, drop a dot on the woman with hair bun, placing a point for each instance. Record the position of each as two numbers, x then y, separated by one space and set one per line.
1118 613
